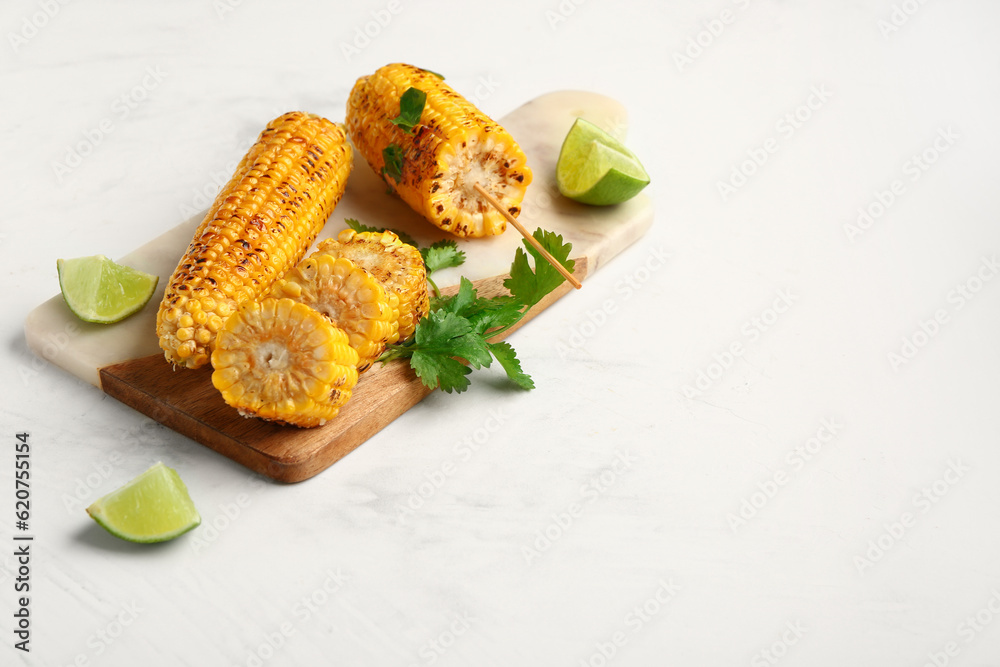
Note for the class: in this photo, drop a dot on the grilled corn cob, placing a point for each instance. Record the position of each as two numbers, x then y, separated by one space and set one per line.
283 361
453 147
260 225
348 295
396 265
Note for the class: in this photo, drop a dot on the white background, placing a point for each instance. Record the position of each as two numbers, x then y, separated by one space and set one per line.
823 550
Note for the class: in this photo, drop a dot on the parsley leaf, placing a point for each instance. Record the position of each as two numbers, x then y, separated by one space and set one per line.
411 106
392 156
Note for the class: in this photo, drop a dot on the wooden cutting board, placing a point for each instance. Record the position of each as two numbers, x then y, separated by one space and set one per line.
125 361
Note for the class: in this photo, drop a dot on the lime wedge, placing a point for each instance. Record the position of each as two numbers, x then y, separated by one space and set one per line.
153 507
98 290
595 168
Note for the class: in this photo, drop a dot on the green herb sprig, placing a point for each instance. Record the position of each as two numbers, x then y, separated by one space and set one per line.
411 107
459 327
392 156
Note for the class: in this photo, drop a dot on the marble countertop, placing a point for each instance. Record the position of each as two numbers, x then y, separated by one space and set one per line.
764 434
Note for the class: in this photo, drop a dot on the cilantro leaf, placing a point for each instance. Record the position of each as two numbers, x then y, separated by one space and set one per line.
392 156
411 106
530 286
500 315
461 300
439 328
440 338
437 370
430 71
508 360
453 339
441 255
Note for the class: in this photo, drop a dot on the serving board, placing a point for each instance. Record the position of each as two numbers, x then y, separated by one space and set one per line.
125 361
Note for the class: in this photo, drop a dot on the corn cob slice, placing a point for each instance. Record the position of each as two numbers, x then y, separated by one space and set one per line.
283 361
349 296
396 265
260 225
453 147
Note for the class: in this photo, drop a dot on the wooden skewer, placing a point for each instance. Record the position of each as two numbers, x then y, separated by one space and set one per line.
528 237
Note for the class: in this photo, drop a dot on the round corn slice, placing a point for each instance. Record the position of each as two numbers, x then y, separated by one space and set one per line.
283 361
396 265
348 295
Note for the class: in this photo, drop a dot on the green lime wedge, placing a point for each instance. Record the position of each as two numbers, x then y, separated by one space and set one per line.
153 507
98 290
595 168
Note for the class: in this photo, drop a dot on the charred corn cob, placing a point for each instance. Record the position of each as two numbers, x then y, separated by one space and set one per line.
396 265
283 361
260 225
348 295
453 146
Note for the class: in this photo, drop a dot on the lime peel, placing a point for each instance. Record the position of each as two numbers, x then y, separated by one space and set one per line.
595 168
99 290
153 507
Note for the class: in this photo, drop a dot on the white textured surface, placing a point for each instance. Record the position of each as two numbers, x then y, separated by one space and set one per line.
216 597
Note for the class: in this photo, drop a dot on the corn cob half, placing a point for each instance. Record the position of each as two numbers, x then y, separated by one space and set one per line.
283 361
396 265
260 225
349 296
454 146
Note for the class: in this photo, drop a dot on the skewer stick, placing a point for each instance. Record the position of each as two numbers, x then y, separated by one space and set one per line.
528 237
